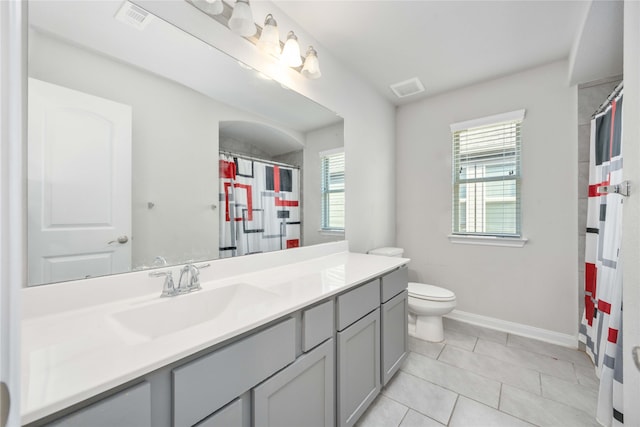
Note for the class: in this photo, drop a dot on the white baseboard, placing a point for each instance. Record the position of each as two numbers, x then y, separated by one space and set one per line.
552 337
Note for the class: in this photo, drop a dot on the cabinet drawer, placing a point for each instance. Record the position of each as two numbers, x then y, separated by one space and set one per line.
131 407
357 303
203 386
317 325
394 283
230 415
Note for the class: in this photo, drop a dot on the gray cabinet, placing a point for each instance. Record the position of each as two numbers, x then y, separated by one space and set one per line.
231 415
354 304
394 283
321 366
301 394
395 338
128 408
317 325
358 370
203 386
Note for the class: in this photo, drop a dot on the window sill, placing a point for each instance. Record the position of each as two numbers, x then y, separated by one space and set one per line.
331 232
511 242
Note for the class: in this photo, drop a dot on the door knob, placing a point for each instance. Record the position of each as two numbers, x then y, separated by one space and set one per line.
122 240
635 351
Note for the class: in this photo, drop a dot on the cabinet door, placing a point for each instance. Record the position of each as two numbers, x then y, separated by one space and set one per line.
300 395
358 368
129 408
395 338
230 416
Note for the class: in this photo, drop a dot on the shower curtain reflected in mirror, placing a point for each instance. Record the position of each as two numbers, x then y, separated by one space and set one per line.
601 328
259 206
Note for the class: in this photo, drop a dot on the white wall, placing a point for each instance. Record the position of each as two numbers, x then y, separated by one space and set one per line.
327 138
174 154
369 120
630 225
535 285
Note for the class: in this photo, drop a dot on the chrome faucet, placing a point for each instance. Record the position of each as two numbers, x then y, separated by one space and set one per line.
168 289
190 278
159 261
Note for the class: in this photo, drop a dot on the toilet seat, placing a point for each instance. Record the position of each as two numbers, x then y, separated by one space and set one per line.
430 292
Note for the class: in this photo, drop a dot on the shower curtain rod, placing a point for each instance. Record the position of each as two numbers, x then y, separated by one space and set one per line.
610 98
257 159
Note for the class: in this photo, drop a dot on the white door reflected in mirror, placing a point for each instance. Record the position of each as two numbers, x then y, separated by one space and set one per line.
79 184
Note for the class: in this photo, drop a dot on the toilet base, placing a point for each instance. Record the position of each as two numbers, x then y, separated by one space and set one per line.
426 328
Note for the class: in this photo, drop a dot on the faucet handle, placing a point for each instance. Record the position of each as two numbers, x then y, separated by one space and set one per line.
194 283
168 289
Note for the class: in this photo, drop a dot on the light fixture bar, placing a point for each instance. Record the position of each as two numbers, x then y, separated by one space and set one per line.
223 18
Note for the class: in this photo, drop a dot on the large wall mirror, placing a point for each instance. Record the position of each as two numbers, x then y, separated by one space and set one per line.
128 131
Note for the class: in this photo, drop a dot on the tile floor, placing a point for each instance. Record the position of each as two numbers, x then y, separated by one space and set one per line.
481 377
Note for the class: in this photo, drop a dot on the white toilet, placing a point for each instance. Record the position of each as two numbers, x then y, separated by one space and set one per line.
427 304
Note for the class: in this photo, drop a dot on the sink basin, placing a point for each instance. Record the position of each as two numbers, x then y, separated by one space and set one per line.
168 315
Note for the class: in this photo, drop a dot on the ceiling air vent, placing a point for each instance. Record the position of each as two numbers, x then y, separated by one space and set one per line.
133 15
407 87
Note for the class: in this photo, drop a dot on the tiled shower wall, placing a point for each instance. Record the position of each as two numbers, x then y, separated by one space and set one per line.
590 96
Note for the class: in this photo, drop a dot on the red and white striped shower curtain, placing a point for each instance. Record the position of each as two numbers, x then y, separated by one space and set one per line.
601 328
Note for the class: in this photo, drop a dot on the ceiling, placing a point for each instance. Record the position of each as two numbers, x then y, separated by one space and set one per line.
452 44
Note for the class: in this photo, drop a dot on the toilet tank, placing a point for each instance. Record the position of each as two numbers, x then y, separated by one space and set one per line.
394 252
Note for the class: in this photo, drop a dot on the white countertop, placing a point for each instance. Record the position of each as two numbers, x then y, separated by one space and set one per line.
71 355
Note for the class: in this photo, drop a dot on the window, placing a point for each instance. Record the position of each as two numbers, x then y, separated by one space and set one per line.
332 190
486 176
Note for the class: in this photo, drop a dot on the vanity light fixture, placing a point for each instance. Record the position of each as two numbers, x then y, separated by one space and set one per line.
291 51
269 41
213 7
241 21
311 67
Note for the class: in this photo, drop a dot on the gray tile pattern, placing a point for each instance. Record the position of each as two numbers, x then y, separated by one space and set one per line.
458 339
526 359
471 413
587 376
475 331
481 377
429 349
425 397
541 411
383 412
574 395
460 381
415 419
494 368
540 347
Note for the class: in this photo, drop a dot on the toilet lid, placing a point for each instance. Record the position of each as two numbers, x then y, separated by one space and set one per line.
430 292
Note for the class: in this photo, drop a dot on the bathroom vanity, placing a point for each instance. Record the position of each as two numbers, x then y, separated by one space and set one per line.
307 337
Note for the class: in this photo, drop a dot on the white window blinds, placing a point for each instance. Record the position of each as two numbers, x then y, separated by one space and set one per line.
332 190
486 176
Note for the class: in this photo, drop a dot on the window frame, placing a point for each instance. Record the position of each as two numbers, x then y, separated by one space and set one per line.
325 192
485 237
